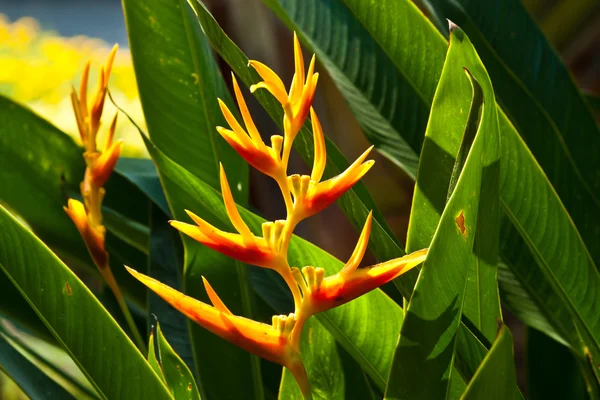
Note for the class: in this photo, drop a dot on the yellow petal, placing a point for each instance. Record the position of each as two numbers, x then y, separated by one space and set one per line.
232 211
105 164
298 81
111 133
246 114
320 151
237 128
110 60
83 86
272 82
361 247
215 299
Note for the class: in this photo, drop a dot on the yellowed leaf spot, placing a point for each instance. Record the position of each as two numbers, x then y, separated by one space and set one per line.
460 222
67 289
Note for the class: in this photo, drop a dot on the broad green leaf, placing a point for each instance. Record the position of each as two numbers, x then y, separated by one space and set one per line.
74 316
30 379
452 126
166 259
425 355
178 376
496 377
357 202
552 369
179 83
16 309
527 197
537 305
367 327
39 167
332 373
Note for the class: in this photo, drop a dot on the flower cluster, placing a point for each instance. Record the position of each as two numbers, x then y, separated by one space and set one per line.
100 163
304 196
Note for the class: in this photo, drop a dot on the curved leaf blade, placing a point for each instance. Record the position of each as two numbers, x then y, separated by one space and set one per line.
74 315
179 84
425 355
496 377
178 377
27 376
166 259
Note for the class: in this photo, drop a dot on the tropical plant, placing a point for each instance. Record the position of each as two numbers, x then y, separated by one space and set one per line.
505 211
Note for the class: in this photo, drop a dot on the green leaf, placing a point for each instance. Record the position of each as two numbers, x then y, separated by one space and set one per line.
425 355
444 153
537 305
556 239
51 359
332 373
166 259
179 83
496 377
30 379
178 376
352 325
357 202
552 370
77 320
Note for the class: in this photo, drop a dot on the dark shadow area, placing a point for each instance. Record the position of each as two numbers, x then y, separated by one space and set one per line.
423 336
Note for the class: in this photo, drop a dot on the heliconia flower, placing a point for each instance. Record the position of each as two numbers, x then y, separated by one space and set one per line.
297 102
310 194
323 293
92 236
270 342
243 246
248 143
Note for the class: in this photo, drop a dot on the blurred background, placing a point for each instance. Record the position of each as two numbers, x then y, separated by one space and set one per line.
44 44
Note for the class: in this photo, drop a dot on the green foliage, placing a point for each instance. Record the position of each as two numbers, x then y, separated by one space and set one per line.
503 149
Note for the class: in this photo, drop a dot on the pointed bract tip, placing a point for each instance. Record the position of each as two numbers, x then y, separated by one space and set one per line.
451 26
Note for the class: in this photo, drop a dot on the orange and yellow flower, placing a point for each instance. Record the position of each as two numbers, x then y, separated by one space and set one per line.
87 216
304 196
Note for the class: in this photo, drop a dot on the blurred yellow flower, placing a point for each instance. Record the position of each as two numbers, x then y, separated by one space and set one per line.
39 68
